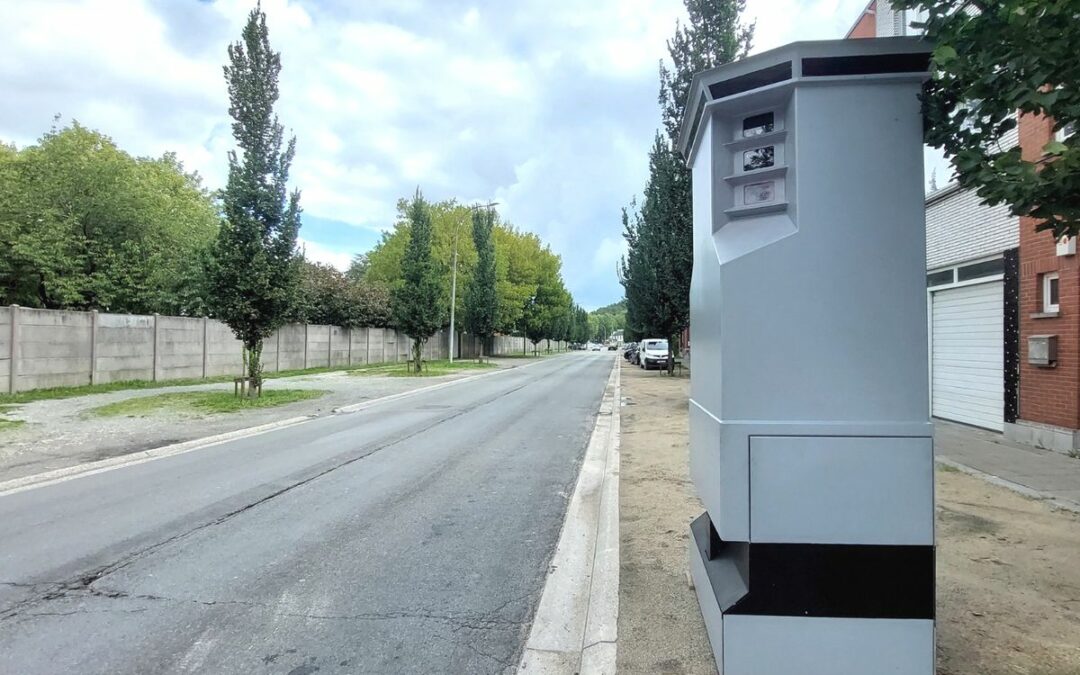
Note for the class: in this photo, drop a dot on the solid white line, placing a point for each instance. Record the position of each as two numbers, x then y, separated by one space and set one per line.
55 476
576 622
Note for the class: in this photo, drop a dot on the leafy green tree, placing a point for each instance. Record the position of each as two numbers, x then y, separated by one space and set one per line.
256 264
358 267
543 309
416 301
328 296
84 225
992 59
482 301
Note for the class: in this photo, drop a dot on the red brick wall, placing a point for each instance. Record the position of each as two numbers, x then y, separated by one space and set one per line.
866 27
1047 395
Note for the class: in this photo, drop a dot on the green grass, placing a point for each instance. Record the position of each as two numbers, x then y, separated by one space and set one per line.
945 468
431 368
6 424
196 402
55 393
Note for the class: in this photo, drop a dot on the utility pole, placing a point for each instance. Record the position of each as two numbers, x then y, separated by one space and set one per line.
453 276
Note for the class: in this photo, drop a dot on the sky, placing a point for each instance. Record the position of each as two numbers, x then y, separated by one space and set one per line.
547 107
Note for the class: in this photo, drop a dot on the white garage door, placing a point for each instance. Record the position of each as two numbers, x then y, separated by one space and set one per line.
968 355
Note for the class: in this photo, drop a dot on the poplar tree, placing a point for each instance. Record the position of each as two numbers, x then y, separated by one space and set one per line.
255 270
481 301
417 310
657 270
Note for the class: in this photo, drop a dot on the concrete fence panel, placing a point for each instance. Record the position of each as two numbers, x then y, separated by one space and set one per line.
339 346
53 349
318 346
224 353
124 348
179 347
359 341
290 342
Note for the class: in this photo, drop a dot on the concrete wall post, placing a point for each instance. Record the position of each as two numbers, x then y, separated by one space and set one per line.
156 349
93 346
329 346
277 351
13 368
305 345
205 345
349 333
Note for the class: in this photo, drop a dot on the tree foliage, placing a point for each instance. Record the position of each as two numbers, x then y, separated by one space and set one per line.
256 265
522 265
990 60
328 296
418 311
481 299
84 225
656 270
714 36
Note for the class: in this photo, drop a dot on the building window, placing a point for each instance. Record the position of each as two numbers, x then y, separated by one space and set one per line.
1050 292
939 278
979 270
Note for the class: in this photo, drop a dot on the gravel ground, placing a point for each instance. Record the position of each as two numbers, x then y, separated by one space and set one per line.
59 433
1008 577
660 625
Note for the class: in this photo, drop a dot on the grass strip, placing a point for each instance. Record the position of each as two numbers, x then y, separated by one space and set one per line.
196 402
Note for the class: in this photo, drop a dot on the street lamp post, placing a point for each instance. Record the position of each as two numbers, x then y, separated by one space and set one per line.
453 276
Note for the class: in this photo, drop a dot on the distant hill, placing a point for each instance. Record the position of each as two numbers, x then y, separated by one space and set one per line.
605 320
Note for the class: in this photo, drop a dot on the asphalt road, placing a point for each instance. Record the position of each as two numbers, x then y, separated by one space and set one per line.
410 537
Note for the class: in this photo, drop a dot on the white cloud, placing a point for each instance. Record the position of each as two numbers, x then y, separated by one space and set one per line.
548 107
322 254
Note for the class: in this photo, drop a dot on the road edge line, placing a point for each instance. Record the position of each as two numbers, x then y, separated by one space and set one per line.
575 629
24 483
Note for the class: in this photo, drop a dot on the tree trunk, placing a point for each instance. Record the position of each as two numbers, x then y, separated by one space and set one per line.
480 358
418 351
254 369
670 357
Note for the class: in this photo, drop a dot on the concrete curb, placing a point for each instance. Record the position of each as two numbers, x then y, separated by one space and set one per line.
16 485
575 629
1056 502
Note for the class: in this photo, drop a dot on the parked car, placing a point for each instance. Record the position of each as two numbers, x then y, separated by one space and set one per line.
653 353
613 347
630 351
594 347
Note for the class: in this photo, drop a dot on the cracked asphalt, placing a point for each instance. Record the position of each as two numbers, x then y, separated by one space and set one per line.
410 537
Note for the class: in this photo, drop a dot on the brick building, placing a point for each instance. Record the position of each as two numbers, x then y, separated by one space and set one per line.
1049 414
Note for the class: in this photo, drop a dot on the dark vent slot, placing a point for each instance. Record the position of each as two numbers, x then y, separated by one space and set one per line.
697 122
754 80
866 65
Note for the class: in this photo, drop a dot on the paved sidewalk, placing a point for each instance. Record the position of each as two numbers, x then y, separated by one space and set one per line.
1043 474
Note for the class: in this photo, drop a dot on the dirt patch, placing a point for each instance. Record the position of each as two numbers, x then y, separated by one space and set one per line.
1008 582
660 625
1008 585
